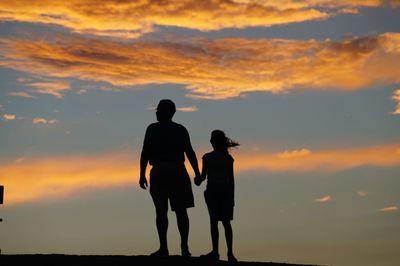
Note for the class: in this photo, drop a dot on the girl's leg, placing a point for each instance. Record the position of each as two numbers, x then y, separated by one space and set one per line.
229 240
214 235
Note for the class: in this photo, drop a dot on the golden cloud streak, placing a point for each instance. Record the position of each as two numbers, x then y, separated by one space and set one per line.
389 209
131 19
396 98
324 199
41 120
49 87
188 109
293 154
213 69
321 161
22 94
42 179
9 117
53 178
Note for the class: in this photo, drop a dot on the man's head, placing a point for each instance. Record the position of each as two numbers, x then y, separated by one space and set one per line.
165 110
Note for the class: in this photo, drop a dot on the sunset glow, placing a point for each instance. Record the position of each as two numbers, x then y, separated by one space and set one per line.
60 177
209 69
310 89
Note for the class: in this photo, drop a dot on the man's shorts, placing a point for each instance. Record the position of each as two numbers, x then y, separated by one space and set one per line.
171 181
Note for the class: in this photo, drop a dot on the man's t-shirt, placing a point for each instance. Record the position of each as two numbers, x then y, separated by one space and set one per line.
166 141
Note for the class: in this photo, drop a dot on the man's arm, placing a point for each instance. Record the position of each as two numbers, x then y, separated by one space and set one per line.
144 158
191 155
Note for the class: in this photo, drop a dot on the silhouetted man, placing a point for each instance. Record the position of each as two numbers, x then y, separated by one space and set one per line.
164 147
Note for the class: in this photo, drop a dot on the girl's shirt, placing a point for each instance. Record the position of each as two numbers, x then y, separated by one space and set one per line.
219 167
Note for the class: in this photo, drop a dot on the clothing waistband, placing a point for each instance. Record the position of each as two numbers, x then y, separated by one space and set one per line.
168 164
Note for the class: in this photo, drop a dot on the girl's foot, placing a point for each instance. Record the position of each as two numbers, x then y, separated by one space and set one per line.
185 251
231 258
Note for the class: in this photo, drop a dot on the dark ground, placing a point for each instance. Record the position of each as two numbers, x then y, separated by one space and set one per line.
99 260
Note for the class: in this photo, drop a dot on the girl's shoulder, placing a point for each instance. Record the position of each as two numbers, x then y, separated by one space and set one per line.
217 155
208 155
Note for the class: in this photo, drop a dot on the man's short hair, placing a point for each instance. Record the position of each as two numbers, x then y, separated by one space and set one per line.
167 107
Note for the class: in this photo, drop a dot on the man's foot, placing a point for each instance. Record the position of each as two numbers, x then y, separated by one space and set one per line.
213 256
232 259
161 253
185 253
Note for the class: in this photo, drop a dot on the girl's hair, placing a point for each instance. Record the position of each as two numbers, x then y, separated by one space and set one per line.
220 141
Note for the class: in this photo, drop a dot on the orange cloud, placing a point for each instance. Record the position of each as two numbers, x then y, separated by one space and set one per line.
210 69
389 209
41 120
362 193
9 117
396 98
54 87
188 109
293 154
40 179
21 94
324 199
31 180
131 19
322 161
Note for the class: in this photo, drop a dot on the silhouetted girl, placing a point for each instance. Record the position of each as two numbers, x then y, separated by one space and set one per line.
219 194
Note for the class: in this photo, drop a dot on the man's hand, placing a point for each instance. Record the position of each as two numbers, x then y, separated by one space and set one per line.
143 182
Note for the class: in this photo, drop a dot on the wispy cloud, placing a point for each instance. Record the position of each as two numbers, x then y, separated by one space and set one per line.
210 69
362 193
41 120
324 199
396 98
9 117
22 94
54 88
188 109
43 86
131 19
389 209
294 153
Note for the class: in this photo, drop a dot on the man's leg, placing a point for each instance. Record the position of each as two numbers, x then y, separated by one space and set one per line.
160 201
214 254
183 226
162 228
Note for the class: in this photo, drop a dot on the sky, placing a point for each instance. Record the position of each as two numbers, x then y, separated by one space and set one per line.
310 89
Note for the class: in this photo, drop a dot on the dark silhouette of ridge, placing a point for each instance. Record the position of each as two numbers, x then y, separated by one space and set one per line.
119 260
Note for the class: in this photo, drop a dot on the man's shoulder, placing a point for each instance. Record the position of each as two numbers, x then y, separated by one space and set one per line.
179 128
152 126
171 125
178 125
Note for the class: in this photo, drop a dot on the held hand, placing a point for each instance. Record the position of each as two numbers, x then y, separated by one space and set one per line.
143 182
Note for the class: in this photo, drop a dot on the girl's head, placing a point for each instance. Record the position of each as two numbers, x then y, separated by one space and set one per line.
221 142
